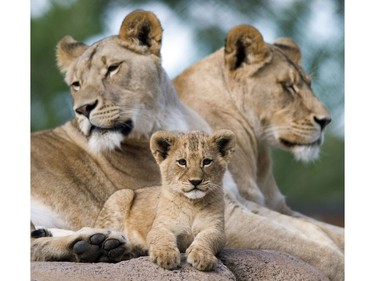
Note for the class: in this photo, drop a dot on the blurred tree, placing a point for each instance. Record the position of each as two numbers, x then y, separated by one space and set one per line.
50 101
315 188
317 26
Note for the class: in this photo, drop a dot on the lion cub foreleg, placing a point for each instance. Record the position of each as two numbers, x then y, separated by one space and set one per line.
162 238
174 229
162 246
208 241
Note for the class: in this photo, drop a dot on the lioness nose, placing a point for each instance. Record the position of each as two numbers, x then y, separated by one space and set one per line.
86 109
195 182
323 122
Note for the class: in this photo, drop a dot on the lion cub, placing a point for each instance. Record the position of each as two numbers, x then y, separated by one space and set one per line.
190 212
187 212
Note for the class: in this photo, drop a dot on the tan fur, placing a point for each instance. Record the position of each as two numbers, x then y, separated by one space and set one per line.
261 93
256 90
75 168
121 95
178 216
190 212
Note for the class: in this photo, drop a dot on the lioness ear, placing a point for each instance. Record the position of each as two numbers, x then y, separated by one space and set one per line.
67 50
141 30
160 144
290 49
225 141
244 44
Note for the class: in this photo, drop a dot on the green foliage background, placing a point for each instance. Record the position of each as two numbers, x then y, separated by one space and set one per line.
317 26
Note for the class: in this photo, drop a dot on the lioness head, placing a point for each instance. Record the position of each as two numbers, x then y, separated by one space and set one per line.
194 163
118 85
269 86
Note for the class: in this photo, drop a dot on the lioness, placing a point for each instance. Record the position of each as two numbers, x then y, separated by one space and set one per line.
187 212
121 95
261 93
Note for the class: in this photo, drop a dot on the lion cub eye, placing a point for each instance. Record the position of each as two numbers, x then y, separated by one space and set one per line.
75 85
181 162
113 68
206 162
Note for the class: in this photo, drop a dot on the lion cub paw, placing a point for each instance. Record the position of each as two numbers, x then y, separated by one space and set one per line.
166 257
201 259
96 245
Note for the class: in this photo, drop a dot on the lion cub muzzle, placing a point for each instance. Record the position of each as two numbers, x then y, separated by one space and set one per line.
195 190
192 165
195 182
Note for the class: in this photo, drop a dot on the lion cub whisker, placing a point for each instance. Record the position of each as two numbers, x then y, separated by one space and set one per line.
201 200
185 213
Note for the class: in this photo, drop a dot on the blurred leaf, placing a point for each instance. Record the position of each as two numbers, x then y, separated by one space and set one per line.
50 99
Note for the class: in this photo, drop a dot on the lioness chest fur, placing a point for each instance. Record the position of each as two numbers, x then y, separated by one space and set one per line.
187 212
121 95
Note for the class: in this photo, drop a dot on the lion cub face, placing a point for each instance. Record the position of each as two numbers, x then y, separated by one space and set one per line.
192 164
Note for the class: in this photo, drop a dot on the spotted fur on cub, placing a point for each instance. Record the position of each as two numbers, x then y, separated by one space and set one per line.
185 213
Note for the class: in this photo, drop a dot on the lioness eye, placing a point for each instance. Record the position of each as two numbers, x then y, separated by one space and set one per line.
181 162
207 162
112 69
288 86
75 85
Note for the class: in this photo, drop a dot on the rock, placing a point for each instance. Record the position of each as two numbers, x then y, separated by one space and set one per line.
235 264
132 270
264 265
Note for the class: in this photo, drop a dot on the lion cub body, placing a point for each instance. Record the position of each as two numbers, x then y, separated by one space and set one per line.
187 212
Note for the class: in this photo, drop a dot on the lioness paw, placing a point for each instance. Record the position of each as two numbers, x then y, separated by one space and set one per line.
100 246
201 259
166 257
42 232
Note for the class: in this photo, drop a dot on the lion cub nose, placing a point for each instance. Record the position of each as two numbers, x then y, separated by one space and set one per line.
195 182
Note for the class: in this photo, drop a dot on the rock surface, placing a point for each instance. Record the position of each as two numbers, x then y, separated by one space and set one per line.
234 265
268 265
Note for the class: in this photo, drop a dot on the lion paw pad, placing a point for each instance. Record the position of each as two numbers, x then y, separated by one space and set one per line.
100 247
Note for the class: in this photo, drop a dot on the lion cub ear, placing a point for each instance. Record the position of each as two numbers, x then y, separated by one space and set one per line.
244 44
67 50
290 49
160 144
141 30
225 141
